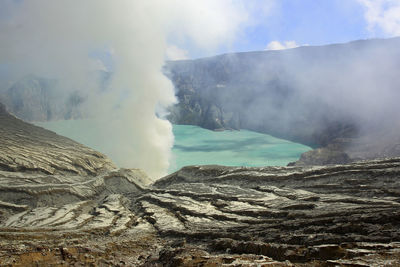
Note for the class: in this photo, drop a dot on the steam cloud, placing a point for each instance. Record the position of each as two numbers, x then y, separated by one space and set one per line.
56 38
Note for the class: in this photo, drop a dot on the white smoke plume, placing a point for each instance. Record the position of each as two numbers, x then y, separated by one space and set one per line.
55 39
176 53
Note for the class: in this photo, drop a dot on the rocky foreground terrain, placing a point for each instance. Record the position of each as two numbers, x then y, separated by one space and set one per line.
63 204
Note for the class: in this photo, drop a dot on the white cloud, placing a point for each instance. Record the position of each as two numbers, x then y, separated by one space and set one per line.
276 45
207 25
175 53
382 14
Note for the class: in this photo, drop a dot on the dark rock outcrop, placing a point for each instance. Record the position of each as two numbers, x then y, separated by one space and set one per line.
330 154
342 215
374 145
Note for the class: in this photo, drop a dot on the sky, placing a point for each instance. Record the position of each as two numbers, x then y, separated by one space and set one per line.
226 26
280 24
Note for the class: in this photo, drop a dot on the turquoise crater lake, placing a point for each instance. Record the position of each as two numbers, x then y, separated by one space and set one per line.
198 146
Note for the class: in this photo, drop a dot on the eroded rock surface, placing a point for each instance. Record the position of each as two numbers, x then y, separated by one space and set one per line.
25 147
341 215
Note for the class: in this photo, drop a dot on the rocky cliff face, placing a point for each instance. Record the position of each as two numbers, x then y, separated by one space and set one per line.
313 95
63 204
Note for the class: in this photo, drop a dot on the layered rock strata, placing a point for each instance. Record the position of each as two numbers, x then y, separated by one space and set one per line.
341 215
26 147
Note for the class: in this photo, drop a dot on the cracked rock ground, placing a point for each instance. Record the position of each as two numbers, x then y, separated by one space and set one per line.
64 204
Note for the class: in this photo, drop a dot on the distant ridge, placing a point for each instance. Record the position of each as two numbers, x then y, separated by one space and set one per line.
316 95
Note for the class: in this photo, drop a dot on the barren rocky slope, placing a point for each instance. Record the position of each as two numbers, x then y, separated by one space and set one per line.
26 147
342 215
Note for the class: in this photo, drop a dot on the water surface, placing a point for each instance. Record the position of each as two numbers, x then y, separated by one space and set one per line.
198 146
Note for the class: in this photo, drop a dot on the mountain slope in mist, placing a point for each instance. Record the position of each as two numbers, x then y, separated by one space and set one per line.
35 98
313 95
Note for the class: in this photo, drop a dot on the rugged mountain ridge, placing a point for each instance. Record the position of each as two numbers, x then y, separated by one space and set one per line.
333 96
342 215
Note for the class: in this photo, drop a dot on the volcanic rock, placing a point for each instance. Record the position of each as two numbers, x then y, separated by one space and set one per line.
310 95
69 205
26 147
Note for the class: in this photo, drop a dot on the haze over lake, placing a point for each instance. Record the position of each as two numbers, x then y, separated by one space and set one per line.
197 146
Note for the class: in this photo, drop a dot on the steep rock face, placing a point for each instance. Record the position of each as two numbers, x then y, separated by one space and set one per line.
312 95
